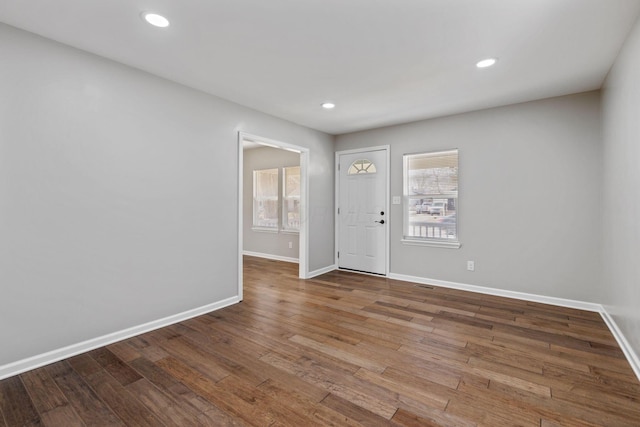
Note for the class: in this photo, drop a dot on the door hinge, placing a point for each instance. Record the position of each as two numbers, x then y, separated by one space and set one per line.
338 254
338 167
338 211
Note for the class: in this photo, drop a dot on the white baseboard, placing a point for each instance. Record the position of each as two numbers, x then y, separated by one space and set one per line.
37 361
320 271
270 256
47 358
580 305
631 355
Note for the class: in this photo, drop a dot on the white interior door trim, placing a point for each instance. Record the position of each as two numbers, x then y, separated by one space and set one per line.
387 150
303 254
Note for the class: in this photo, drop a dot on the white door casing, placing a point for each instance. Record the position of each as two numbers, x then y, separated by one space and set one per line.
362 210
303 254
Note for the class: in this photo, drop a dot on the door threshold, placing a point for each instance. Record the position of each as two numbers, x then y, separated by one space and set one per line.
353 270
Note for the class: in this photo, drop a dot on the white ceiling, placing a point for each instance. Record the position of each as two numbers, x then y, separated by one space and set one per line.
381 61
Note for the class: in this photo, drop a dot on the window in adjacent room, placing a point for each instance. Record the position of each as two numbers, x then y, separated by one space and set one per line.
291 198
265 199
431 198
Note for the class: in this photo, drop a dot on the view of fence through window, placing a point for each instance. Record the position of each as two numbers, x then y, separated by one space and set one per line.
431 196
265 198
291 198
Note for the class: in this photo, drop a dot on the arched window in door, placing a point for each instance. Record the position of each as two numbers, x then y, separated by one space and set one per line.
361 166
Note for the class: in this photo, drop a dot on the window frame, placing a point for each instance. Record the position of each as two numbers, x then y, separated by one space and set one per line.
257 200
284 217
452 243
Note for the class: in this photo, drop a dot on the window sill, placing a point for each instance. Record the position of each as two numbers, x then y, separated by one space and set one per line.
274 230
290 231
265 230
432 243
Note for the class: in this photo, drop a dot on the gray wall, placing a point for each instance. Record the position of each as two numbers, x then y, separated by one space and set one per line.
118 195
621 196
260 241
529 206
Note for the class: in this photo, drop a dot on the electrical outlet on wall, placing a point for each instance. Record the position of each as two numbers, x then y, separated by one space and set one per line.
471 265
395 200
290 245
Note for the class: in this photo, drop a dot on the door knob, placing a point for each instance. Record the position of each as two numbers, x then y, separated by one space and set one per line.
381 221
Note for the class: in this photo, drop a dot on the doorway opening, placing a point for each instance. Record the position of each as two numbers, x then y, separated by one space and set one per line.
273 198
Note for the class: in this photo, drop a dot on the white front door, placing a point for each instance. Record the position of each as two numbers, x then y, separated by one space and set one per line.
362 211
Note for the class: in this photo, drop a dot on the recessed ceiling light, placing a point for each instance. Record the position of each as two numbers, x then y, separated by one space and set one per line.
156 20
328 105
486 63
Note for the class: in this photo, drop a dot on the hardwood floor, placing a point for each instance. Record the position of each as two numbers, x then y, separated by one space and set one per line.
344 349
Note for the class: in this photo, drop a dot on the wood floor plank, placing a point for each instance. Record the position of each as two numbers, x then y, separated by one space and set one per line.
45 394
612 408
623 380
91 409
16 404
218 418
344 349
339 351
488 412
372 397
310 409
426 395
84 364
196 357
145 346
460 354
522 402
369 332
124 351
405 418
62 416
182 395
354 412
122 402
253 370
3 423
115 366
159 403
223 396
283 412
272 338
